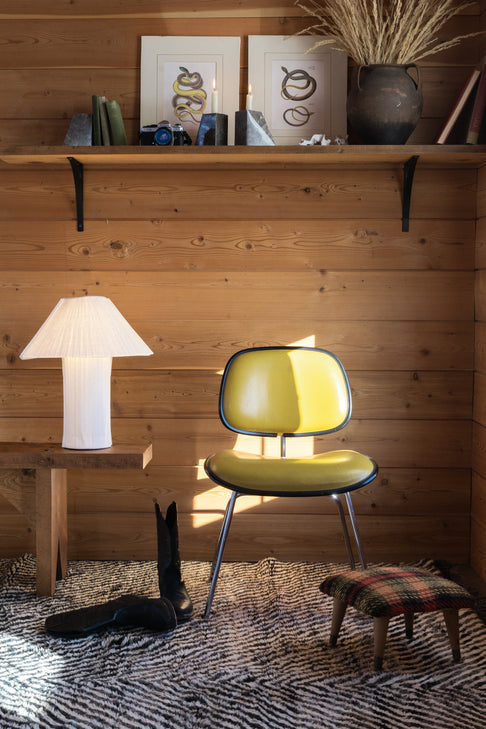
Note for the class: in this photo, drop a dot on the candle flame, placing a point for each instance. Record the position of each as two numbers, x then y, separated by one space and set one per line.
249 89
214 84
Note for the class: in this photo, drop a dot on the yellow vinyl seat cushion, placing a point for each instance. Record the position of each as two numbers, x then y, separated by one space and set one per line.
320 474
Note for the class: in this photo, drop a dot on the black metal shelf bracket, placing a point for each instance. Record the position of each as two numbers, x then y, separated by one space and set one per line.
408 173
78 174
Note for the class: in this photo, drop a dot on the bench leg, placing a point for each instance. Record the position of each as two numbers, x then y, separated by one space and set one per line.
409 625
338 611
380 633
51 527
451 618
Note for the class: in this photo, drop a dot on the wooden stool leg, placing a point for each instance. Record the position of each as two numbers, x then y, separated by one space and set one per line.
380 633
338 611
451 618
51 527
409 625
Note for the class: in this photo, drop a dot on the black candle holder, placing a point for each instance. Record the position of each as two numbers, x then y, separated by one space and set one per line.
213 129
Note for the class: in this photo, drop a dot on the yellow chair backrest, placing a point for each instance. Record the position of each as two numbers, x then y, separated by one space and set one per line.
285 391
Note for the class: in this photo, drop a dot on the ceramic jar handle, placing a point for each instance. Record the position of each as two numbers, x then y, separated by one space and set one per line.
418 82
406 66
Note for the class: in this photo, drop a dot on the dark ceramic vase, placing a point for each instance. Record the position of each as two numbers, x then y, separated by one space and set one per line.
384 103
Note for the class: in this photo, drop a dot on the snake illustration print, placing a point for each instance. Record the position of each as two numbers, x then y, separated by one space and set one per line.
189 100
297 85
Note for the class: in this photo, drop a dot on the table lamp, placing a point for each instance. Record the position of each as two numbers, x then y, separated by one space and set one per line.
86 331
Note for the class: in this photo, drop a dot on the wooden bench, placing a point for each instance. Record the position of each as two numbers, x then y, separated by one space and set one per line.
48 507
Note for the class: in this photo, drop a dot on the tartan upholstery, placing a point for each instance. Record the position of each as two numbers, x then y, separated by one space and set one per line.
388 591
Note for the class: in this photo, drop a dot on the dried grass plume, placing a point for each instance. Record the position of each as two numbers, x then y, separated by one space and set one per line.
383 31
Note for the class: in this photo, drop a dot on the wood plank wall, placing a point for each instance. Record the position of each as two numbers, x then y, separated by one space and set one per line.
203 263
478 494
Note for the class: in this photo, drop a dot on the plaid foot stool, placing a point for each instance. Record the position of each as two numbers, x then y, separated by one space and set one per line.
383 592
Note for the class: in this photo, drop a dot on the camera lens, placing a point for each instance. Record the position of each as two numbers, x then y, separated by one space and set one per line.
163 136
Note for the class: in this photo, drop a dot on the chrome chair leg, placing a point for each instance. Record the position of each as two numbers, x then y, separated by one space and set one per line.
355 528
221 532
345 530
219 551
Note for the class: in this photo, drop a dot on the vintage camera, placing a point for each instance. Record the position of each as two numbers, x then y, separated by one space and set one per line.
164 134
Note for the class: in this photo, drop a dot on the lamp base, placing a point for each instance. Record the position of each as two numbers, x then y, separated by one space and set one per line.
87 402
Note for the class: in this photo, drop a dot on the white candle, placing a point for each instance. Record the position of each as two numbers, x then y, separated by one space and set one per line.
214 98
249 98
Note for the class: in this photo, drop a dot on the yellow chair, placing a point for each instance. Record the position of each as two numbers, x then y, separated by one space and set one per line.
286 392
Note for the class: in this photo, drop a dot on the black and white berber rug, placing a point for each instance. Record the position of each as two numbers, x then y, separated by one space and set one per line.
262 661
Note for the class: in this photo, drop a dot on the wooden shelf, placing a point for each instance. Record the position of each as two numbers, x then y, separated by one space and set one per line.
408 157
233 157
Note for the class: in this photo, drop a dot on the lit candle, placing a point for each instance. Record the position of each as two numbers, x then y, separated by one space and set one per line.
249 98
214 98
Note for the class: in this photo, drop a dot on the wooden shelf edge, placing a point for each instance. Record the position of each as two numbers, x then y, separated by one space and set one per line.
241 157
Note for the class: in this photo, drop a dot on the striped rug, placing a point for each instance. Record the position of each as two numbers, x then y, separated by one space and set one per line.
262 661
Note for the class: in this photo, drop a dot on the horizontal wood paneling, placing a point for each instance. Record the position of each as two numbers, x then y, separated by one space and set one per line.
47 95
120 8
34 43
17 490
290 245
128 537
396 490
480 398
37 42
480 347
193 8
190 343
478 496
407 491
478 548
203 262
480 299
181 442
478 445
149 297
194 393
50 131
391 539
44 94
247 194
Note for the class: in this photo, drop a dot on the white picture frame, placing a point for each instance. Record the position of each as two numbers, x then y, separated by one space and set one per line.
300 92
172 64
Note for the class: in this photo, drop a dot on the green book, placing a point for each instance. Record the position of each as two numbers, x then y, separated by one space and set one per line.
105 127
95 108
117 128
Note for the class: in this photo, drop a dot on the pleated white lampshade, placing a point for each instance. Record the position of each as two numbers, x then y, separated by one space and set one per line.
85 326
86 332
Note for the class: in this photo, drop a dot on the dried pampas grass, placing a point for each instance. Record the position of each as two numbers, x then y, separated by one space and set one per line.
383 31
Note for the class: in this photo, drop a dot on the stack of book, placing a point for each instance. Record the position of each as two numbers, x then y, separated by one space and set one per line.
108 127
103 126
466 123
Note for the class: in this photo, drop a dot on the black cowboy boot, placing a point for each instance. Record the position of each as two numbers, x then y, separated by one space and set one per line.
128 610
169 563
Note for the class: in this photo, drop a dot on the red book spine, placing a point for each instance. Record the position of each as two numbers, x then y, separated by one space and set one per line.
459 105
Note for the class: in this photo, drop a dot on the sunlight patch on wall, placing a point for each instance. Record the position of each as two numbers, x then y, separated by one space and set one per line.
309 341
202 502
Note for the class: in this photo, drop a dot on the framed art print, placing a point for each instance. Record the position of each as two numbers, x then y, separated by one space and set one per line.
300 92
183 78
